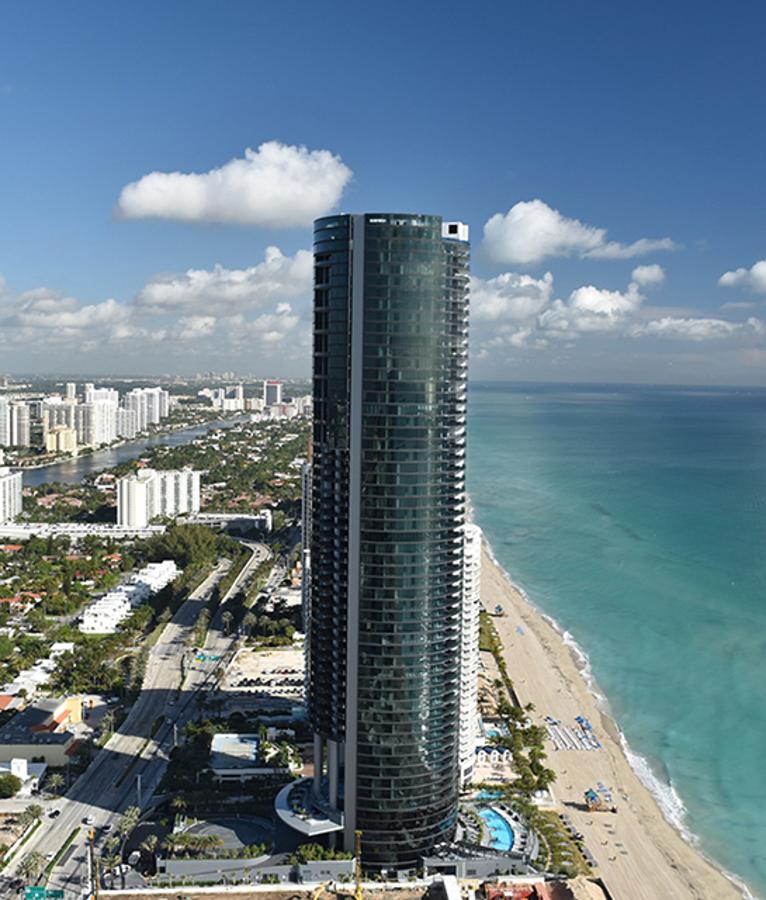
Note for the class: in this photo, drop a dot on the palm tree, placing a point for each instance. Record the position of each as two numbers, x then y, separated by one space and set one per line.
545 779
149 843
283 753
227 619
32 866
111 843
248 623
132 813
128 820
34 811
170 843
178 803
56 782
111 862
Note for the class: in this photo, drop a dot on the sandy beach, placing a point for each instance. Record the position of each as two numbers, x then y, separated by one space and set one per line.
640 855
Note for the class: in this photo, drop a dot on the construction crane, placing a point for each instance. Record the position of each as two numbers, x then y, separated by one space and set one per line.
319 890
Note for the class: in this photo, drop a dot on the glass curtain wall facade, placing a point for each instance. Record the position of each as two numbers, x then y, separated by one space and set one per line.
388 509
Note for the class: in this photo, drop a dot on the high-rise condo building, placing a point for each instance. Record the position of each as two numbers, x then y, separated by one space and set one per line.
5 423
150 405
469 650
61 439
127 423
149 493
10 494
307 485
14 424
96 421
93 394
387 528
272 393
20 425
135 402
55 412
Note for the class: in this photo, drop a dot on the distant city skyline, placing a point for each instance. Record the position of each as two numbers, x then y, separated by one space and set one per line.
161 169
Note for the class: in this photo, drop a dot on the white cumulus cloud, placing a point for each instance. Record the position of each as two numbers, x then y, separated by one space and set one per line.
698 329
276 186
648 276
42 317
532 231
510 296
590 309
753 278
193 328
200 312
514 312
222 290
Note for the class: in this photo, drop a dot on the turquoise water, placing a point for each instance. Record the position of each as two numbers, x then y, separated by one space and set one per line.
501 833
636 517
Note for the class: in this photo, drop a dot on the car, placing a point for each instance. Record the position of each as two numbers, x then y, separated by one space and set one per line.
54 814
108 827
89 820
49 856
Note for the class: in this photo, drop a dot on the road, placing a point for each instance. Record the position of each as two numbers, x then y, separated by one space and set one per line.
138 752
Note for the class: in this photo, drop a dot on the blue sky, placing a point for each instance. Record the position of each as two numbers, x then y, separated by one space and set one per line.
644 120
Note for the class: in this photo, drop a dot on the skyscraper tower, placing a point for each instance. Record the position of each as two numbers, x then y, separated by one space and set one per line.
388 508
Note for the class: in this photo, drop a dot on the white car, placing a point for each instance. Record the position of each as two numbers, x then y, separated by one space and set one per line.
89 820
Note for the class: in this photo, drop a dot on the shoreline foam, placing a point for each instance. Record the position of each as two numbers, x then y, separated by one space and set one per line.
663 793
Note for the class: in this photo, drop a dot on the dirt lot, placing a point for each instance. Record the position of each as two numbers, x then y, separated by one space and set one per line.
278 673
10 830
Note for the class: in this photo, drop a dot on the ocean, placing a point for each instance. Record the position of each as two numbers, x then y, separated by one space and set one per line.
636 518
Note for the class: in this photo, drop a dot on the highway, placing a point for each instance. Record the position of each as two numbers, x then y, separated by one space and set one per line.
142 744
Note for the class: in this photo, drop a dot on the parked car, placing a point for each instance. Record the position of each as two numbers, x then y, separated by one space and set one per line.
54 814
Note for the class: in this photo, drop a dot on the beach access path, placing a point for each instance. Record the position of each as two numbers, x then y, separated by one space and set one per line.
640 855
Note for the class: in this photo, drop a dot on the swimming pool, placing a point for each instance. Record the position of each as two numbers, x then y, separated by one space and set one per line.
500 832
485 795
